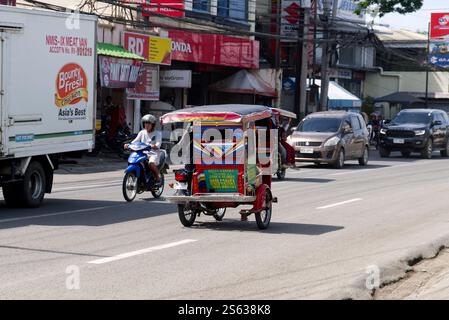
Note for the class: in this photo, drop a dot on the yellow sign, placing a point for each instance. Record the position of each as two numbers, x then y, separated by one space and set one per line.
160 51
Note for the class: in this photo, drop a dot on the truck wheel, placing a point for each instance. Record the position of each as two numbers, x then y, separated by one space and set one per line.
263 218
11 194
384 152
445 152
187 215
426 153
32 189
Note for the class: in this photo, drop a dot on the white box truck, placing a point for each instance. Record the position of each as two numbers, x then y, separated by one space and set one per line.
47 97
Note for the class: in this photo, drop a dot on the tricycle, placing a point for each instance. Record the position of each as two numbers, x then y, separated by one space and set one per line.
233 155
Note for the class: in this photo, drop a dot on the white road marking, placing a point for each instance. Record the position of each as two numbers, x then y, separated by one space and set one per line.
81 187
60 213
339 203
139 252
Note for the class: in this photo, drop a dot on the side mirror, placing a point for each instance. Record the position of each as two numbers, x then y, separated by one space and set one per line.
347 130
437 123
387 121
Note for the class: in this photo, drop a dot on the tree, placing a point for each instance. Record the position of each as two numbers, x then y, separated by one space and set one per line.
388 6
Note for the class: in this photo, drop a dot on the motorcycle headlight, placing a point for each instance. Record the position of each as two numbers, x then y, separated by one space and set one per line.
420 132
332 142
383 131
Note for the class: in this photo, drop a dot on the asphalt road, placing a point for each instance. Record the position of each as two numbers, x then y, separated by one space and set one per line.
328 230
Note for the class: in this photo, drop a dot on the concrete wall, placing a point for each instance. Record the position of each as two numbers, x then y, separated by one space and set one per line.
381 84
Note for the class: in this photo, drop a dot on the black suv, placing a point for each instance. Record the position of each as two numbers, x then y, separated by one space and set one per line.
416 130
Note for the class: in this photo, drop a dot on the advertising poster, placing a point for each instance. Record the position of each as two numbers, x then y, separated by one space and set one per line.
147 85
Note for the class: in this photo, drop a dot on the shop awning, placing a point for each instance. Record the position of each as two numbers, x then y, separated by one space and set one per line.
112 50
244 82
338 97
403 98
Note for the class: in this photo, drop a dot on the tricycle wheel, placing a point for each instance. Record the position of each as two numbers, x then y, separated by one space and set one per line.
130 186
281 173
186 215
157 192
219 214
263 218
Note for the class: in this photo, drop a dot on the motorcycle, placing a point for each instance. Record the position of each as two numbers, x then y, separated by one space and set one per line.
138 177
373 134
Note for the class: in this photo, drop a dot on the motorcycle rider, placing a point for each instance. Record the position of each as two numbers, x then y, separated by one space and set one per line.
375 123
152 137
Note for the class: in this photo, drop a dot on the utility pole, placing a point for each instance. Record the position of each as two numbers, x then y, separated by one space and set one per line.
299 64
304 58
325 55
278 53
427 67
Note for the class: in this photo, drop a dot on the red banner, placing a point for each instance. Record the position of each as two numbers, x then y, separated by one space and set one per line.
214 49
8 2
171 8
147 85
439 25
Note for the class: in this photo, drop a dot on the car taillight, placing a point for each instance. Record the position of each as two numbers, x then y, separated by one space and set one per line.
181 176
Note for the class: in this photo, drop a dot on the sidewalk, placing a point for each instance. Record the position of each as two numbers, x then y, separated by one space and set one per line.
103 162
428 280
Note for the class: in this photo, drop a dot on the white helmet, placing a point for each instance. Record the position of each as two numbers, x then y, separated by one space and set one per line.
148 118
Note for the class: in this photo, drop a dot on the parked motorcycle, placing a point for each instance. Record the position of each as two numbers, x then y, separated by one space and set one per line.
138 177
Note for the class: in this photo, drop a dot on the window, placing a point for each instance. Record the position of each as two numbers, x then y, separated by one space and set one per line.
233 9
201 5
355 123
446 118
441 118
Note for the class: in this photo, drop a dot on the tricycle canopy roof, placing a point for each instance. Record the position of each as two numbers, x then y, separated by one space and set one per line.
284 113
224 112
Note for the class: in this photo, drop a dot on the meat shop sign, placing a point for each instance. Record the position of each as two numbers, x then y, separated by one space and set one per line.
118 73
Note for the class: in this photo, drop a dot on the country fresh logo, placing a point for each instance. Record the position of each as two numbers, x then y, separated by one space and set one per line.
71 85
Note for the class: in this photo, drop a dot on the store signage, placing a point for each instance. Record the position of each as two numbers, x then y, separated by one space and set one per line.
118 73
214 49
439 25
340 73
176 78
290 14
439 54
171 8
147 86
154 49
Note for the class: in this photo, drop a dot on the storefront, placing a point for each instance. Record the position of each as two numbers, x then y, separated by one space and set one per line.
211 58
118 71
187 67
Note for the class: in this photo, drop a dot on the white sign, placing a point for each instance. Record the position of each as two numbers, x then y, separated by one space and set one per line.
290 18
340 73
176 78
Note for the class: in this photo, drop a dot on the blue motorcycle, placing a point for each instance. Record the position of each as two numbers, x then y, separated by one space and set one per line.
138 177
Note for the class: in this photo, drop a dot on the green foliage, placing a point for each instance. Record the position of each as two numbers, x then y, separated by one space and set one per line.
368 105
387 6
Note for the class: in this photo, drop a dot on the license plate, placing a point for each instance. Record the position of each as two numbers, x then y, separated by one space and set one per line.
180 186
398 141
306 150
